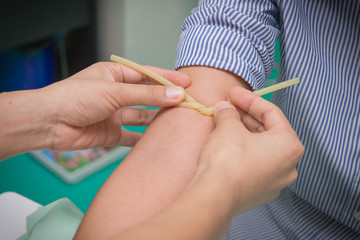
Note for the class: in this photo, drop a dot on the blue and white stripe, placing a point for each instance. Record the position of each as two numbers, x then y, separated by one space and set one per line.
287 218
320 43
210 32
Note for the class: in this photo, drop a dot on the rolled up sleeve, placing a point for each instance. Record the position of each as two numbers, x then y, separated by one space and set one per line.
237 36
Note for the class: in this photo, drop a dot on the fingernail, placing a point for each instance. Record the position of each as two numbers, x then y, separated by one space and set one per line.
222 105
174 92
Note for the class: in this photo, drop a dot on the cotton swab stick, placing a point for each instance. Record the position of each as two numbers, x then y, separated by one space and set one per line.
190 102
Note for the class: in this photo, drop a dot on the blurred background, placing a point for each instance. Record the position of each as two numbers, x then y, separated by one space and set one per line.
45 41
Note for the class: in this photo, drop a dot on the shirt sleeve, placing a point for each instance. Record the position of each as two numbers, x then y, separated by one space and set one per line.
237 36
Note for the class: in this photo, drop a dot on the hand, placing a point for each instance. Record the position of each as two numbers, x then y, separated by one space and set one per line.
253 154
89 107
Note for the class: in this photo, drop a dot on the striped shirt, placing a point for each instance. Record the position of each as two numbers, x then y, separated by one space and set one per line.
320 44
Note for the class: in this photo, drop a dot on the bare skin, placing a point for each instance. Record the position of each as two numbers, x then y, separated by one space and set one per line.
232 176
216 168
161 164
83 111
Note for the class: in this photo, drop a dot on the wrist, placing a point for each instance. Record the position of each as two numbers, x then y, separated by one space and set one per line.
26 125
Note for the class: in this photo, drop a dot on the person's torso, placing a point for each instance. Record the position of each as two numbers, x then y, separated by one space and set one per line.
320 44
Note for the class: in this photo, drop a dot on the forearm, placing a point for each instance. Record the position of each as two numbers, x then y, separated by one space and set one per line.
25 124
162 163
203 211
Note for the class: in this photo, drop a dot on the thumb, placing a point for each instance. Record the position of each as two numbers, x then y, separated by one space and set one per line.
225 113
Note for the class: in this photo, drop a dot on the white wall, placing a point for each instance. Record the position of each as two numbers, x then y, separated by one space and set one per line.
145 31
110 21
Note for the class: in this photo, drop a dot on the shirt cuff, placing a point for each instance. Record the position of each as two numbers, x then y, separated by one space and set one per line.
221 48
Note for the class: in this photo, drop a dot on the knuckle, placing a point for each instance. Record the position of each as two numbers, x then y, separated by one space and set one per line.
99 65
154 91
272 110
296 148
143 118
103 67
276 110
293 176
145 79
109 71
260 128
301 149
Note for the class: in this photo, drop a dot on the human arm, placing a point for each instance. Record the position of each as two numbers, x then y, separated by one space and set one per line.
165 159
84 111
232 176
161 164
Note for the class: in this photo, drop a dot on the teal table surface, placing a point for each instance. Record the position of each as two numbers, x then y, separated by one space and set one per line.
24 175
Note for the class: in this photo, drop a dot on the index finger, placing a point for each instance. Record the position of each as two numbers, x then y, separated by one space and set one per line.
263 111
